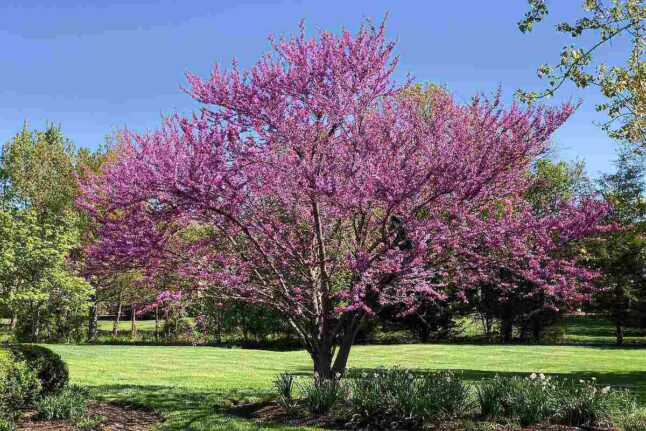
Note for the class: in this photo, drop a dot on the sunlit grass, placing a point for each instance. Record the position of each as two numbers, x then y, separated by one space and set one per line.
186 383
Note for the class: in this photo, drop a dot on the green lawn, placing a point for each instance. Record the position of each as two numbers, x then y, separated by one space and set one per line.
125 325
186 383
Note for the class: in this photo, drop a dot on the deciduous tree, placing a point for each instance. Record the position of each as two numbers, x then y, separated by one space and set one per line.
320 189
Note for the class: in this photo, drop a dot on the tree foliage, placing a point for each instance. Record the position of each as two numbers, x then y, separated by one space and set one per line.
621 254
623 85
39 229
320 189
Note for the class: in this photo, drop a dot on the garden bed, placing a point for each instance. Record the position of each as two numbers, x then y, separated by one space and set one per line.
270 412
117 418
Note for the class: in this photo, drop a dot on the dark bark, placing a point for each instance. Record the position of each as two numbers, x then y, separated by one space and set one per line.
157 324
35 336
115 326
326 364
619 333
506 330
93 322
133 322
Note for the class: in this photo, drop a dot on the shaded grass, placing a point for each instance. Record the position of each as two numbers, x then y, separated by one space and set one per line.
598 330
185 384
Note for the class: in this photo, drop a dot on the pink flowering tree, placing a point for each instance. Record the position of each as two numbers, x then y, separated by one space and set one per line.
314 184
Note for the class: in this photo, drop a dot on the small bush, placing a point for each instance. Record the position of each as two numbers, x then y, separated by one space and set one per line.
7 424
527 400
321 395
587 403
70 403
285 386
390 397
366 397
51 369
89 423
635 421
19 386
403 399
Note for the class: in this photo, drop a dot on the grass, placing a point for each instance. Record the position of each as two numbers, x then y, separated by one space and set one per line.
186 384
125 325
574 329
598 330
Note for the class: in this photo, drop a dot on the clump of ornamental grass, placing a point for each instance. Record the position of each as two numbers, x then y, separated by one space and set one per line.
630 421
70 403
89 423
322 395
396 396
7 424
539 398
285 384
585 402
527 400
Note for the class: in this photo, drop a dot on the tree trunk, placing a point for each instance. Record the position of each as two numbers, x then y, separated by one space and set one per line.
93 324
133 322
326 365
506 330
35 336
115 327
13 322
619 333
157 324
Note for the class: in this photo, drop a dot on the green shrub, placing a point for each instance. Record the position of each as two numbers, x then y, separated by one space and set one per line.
389 397
539 398
365 398
527 400
70 403
19 386
7 424
50 368
89 423
285 387
588 403
322 395
635 421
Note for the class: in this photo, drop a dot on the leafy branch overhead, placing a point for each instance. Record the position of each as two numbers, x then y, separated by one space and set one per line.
623 85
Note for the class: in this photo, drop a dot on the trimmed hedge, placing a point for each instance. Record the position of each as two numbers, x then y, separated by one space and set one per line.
52 371
19 384
27 373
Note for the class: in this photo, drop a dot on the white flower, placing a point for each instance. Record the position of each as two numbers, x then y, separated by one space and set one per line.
533 376
581 381
338 375
605 390
542 376
594 378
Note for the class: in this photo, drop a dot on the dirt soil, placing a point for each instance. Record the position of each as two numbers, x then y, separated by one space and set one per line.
119 418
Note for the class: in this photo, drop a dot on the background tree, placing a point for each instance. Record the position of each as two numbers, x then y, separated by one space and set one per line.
624 85
41 230
621 254
324 193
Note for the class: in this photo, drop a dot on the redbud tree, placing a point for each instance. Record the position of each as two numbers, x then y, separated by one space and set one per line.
315 184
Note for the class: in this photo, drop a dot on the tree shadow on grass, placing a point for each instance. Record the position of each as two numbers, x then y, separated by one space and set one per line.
186 409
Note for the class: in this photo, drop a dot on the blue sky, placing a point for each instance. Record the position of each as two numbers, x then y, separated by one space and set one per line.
99 65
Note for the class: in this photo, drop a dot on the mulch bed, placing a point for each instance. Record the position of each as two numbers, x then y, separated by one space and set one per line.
270 412
119 418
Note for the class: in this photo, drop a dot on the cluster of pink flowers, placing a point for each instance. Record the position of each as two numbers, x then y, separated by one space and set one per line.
314 184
